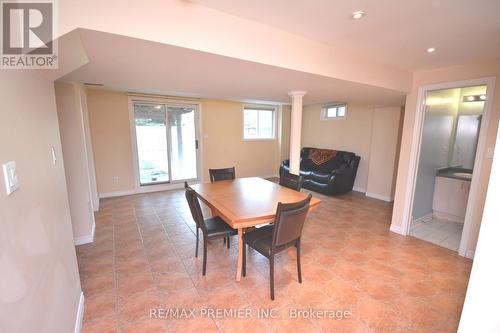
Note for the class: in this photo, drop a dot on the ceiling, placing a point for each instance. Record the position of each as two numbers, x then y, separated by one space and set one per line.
394 32
134 65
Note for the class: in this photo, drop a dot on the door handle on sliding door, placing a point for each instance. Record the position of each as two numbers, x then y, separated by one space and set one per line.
196 144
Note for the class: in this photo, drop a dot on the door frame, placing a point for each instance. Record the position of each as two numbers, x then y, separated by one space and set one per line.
489 82
199 162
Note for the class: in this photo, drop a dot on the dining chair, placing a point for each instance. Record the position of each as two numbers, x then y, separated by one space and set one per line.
284 233
222 174
212 228
291 181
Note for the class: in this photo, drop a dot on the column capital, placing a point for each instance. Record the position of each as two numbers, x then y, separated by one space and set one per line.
297 93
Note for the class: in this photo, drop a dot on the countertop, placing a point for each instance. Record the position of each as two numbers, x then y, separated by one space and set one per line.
455 173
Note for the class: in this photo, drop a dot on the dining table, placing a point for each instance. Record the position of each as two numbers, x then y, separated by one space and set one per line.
244 203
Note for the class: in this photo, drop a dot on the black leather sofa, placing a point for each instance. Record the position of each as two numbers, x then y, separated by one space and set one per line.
325 170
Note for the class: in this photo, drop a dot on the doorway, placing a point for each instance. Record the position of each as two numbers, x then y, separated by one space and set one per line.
165 139
448 148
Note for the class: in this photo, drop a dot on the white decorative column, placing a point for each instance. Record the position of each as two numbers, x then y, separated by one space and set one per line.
296 130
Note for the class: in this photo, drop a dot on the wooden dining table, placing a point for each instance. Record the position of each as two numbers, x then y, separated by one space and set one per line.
247 202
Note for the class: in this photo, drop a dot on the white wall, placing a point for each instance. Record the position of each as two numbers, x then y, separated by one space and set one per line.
39 281
70 110
384 148
482 301
434 76
190 25
82 95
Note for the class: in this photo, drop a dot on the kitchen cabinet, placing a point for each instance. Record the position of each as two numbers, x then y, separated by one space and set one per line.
450 198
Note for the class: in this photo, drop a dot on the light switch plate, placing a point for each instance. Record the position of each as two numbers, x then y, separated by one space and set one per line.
10 177
490 152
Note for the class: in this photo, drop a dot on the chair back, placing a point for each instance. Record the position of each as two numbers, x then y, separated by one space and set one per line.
289 221
194 206
291 181
222 174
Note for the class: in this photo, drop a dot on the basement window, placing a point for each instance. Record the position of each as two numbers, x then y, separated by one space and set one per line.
258 122
334 111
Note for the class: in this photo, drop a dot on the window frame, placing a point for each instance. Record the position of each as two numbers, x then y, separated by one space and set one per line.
152 99
261 107
324 111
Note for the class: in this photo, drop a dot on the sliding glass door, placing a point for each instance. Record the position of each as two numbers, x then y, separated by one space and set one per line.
183 140
152 145
166 141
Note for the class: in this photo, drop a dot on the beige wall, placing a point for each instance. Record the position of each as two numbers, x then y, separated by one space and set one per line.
71 127
110 130
222 141
352 134
385 141
365 131
221 138
223 144
39 282
448 74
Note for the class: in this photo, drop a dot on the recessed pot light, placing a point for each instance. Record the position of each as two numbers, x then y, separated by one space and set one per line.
431 49
358 14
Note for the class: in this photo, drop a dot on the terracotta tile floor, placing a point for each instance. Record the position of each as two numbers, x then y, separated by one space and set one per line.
143 258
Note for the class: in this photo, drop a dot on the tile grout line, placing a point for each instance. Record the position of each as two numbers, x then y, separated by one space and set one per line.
118 326
356 232
182 261
185 267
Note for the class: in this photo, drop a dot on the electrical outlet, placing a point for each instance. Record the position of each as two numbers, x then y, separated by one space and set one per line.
115 179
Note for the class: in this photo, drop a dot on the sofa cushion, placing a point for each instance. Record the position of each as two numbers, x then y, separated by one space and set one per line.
315 186
335 161
334 176
305 173
319 177
286 167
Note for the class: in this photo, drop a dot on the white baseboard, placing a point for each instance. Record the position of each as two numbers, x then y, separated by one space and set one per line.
359 189
470 254
155 188
116 194
86 239
379 197
96 203
396 229
79 314
425 218
448 217
145 189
